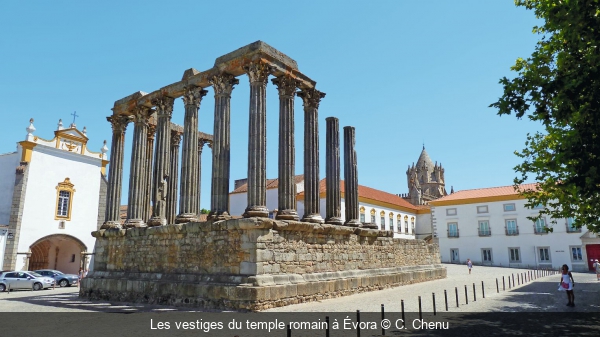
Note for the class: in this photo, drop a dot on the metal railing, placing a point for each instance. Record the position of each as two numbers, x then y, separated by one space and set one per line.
539 230
572 229
453 233
512 231
485 232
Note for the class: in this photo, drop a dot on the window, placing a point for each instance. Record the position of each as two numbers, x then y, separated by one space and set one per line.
482 209
392 222
511 227
399 222
451 211
486 255
452 229
406 224
576 254
412 224
73 258
373 216
570 227
362 214
540 226
544 254
538 206
64 200
382 222
484 228
509 207
514 255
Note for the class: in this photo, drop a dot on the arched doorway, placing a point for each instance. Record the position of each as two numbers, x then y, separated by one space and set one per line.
59 251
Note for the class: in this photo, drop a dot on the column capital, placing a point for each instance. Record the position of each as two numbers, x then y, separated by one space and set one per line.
141 115
286 85
118 122
193 96
258 72
151 131
164 106
311 97
175 138
223 84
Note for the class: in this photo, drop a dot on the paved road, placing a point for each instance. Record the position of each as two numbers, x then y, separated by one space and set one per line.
534 308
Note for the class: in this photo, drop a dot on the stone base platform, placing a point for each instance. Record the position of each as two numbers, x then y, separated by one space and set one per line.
252 264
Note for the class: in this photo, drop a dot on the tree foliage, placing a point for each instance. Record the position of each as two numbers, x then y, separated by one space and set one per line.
559 86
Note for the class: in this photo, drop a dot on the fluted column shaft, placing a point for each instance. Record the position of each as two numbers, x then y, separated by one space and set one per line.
219 194
137 172
333 212
164 110
148 177
258 74
287 184
311 99
115 176
189 156
197 208
173 178
350 178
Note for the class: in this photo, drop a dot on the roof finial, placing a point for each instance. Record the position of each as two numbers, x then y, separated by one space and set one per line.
84 131
60 125
423 145
451 189
30 130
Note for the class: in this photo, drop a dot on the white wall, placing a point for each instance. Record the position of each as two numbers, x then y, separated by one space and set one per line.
8 165
49 167
470 244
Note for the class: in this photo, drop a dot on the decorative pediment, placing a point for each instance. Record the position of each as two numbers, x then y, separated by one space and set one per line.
72 134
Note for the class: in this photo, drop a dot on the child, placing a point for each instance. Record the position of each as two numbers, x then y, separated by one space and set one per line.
567 283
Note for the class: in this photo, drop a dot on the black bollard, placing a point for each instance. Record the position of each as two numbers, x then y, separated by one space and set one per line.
382 318
482 290
456 291
433 295
446 298
420 312
503 284
497 286
466 295
403 320
358 321
513 280
474 292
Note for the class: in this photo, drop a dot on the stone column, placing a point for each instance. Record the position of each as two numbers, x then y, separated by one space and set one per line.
115 176
258 74
333 213
287 184
189 156
197 208
137 172
311 99
148 199
350 178
219 194
174 169
164 110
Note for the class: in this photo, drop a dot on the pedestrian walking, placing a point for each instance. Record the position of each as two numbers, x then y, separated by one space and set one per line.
566 284
470 265
597 268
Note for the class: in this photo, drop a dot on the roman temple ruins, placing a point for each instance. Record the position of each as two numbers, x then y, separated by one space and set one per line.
250 263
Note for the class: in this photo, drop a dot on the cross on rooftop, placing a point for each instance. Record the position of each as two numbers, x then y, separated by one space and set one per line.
75 115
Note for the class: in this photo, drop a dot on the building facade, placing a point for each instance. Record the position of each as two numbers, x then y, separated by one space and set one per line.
50 201
388 211
492 226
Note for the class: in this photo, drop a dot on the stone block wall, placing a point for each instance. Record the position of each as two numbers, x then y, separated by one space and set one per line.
252 264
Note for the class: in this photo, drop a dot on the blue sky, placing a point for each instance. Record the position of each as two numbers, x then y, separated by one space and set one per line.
403 73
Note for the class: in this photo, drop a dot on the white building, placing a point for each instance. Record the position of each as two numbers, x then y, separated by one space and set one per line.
50 200
388 211
490 227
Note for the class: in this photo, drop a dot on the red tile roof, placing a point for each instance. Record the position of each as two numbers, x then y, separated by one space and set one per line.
271 184
484 194
373 194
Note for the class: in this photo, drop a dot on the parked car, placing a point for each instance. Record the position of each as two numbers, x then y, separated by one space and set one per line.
62 279
24 280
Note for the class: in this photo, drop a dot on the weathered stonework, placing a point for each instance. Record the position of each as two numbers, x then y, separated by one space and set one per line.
252 264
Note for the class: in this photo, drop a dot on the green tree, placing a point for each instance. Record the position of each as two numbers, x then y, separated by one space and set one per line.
559 86
204 211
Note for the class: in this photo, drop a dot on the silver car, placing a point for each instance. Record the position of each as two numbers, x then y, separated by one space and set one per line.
24 280
62 279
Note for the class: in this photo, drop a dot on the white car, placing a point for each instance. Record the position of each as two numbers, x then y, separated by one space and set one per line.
24 280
